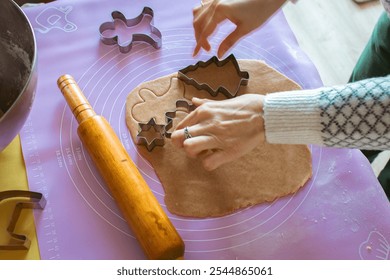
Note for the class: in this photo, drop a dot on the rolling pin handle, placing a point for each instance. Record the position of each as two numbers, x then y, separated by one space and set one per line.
76 100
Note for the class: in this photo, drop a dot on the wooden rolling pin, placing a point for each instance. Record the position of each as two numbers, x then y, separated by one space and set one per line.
153 229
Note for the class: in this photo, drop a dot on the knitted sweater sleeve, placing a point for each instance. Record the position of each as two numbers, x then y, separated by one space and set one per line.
355 115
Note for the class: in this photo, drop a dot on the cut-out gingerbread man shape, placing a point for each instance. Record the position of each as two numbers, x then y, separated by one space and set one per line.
154 105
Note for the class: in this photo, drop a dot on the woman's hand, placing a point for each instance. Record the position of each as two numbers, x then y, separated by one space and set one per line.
247 15
222 131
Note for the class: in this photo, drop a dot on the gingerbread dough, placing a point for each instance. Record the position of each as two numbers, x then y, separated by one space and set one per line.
265 174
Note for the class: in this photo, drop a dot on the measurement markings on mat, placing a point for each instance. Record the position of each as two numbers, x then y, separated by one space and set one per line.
44 221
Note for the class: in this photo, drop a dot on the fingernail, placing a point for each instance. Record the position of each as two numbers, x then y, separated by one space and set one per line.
221 52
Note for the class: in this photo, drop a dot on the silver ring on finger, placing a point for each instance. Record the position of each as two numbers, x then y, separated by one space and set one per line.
187 134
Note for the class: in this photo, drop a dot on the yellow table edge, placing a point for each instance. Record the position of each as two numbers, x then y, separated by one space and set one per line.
13 176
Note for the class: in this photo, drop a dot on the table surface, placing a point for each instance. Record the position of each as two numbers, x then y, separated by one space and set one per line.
341 213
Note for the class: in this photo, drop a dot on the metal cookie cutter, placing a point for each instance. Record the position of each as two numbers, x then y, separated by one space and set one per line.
154 40
156 137
182 75
181 105
148 138
35 200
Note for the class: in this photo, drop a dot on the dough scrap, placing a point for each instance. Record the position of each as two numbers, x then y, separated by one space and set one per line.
267 173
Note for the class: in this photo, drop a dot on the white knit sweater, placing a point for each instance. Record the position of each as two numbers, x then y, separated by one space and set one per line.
356 115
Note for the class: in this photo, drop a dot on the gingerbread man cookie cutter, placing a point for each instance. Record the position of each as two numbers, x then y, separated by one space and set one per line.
155 39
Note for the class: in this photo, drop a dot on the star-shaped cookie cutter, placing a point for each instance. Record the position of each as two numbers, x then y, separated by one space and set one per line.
155 40
143 137
181 105
26 199
151 139
243 75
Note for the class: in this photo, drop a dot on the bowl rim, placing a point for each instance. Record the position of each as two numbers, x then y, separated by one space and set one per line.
33 62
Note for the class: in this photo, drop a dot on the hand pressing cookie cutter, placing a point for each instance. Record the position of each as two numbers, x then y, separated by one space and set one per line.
150 142
137 37
36 201
161 129
181 105
182 75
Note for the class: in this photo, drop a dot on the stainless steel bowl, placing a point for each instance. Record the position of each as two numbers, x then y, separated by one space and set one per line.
18 74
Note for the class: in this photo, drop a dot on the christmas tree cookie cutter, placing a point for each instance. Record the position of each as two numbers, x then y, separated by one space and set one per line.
183 74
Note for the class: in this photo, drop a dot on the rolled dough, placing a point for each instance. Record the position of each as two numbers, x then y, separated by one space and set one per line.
265 174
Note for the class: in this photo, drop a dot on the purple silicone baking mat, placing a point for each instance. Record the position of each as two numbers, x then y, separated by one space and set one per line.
341 213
